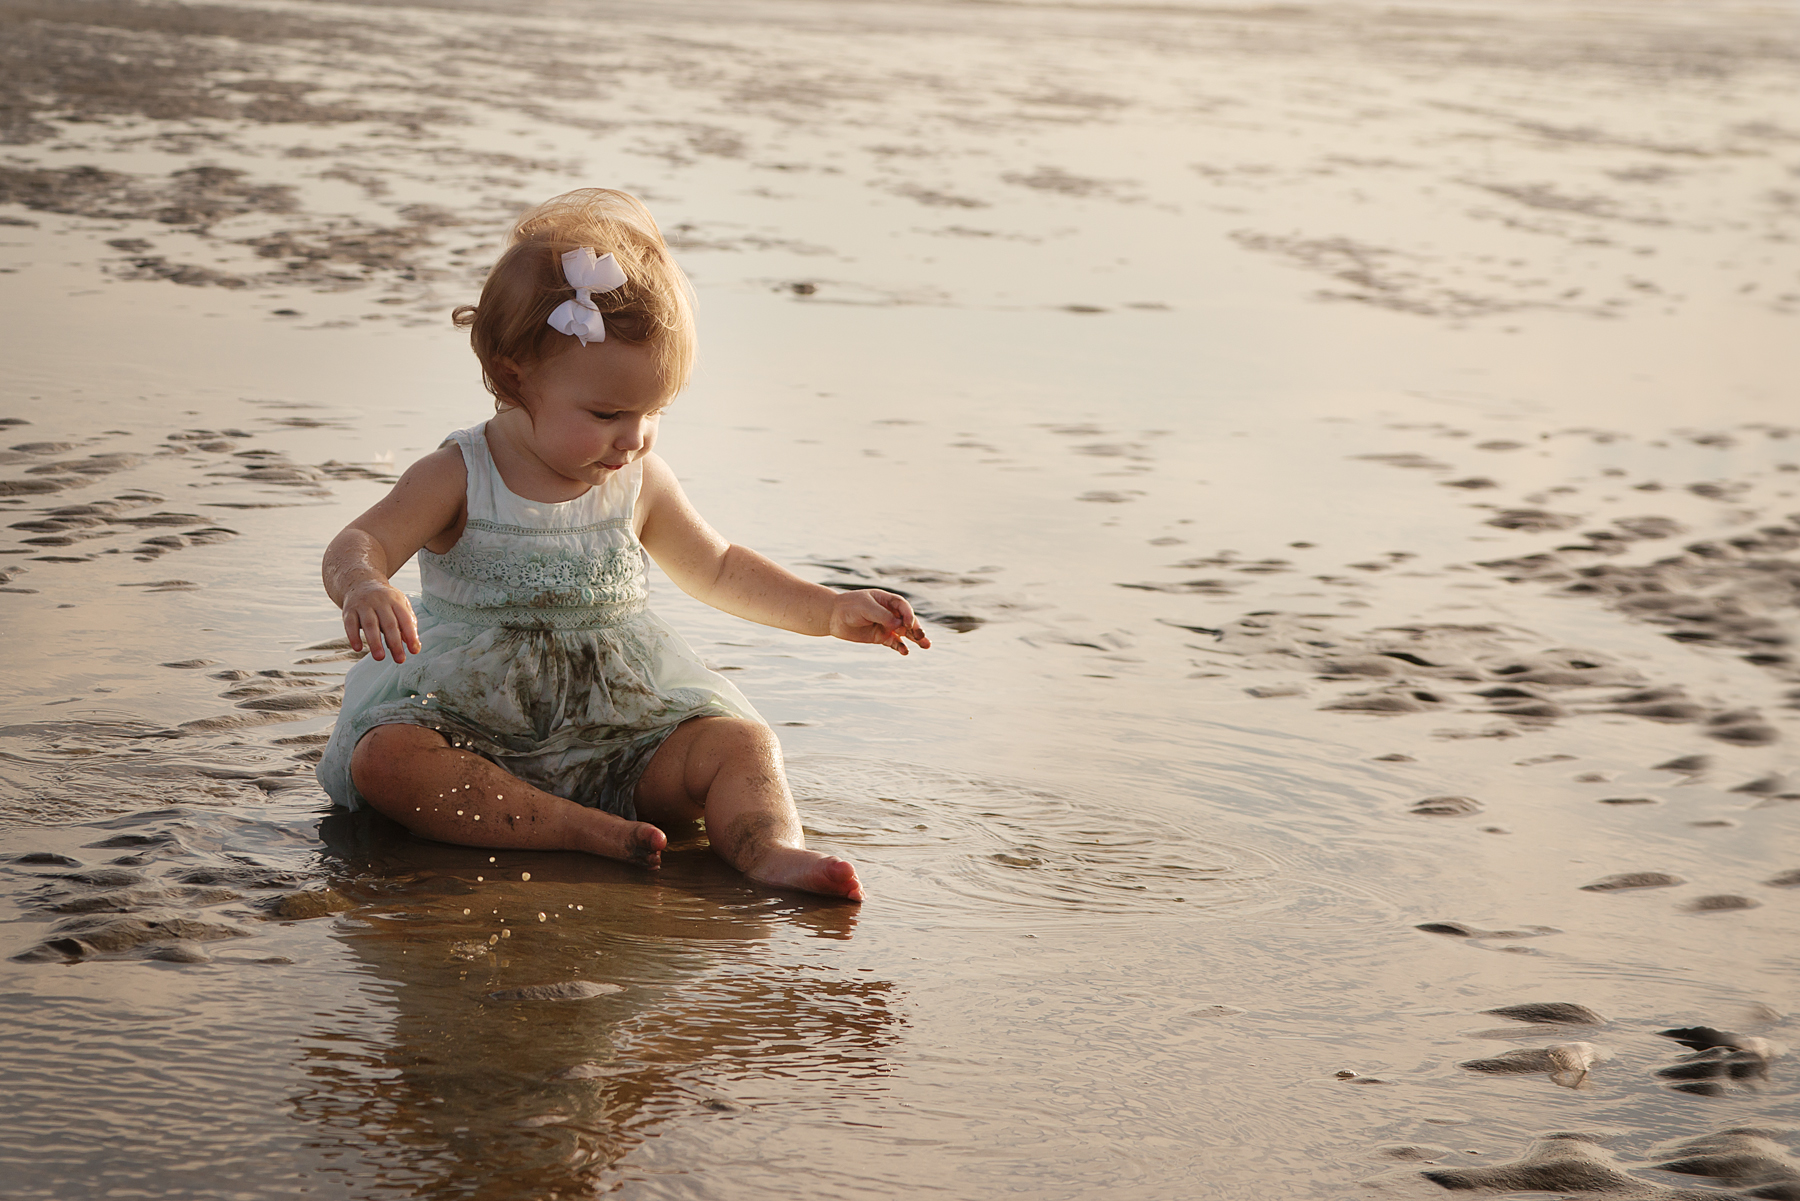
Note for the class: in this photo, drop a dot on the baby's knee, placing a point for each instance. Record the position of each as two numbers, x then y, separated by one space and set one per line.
382 755
738 741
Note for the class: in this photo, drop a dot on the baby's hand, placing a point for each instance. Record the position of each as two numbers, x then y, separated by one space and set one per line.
375 611
871 615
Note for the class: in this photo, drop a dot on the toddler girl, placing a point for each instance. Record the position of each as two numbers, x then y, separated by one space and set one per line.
534 701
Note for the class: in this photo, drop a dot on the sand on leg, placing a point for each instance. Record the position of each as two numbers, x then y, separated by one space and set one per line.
727 771
413 775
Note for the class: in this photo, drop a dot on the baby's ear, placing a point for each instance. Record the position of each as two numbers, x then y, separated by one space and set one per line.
509 382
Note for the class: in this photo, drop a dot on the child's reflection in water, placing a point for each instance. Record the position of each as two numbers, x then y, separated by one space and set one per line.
456 1092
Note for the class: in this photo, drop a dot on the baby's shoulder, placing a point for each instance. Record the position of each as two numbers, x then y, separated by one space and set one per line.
436 486
655 469
442 468
434 490
655 481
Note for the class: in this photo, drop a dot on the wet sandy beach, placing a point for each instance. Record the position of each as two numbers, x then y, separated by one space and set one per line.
1346 457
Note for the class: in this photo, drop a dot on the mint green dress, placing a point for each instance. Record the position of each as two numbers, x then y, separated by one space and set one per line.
539 650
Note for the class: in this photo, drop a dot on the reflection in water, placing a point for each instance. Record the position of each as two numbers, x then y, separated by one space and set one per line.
472 1093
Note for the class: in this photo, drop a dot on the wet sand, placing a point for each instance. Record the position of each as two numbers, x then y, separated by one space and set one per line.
1346 459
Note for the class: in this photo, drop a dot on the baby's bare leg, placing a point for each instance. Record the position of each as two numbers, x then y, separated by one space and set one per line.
728 771
413 775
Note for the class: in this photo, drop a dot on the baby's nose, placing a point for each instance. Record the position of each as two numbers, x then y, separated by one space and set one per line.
632 436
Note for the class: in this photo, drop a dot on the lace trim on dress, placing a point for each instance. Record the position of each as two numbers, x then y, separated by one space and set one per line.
617 569
532 617
611 523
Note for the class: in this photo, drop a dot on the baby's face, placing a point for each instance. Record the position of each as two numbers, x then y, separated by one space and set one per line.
594 408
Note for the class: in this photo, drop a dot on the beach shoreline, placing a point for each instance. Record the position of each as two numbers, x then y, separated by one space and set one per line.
1344 459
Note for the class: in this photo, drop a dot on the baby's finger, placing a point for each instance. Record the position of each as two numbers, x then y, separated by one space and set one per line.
894 637
409 626
353 631
897 605
370 622
390 631
368 626
894 614
908 625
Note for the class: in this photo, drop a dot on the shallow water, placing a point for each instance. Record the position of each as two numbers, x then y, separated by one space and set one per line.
1280 416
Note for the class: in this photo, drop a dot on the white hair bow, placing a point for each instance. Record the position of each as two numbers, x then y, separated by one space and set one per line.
587 274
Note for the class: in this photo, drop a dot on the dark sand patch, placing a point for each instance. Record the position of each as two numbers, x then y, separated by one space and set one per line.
1577 1162
1427 668
1464 930
91 525
1446 806
1721 903
1738 1156
1567 1064
196 197
1551 1012
1627 881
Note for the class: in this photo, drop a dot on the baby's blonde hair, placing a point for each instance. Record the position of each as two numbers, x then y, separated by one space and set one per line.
654 308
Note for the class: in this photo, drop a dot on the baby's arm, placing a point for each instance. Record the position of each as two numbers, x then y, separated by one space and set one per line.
425 508
741 582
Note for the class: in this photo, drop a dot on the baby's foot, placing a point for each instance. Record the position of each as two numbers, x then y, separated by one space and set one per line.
628 841
808 871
